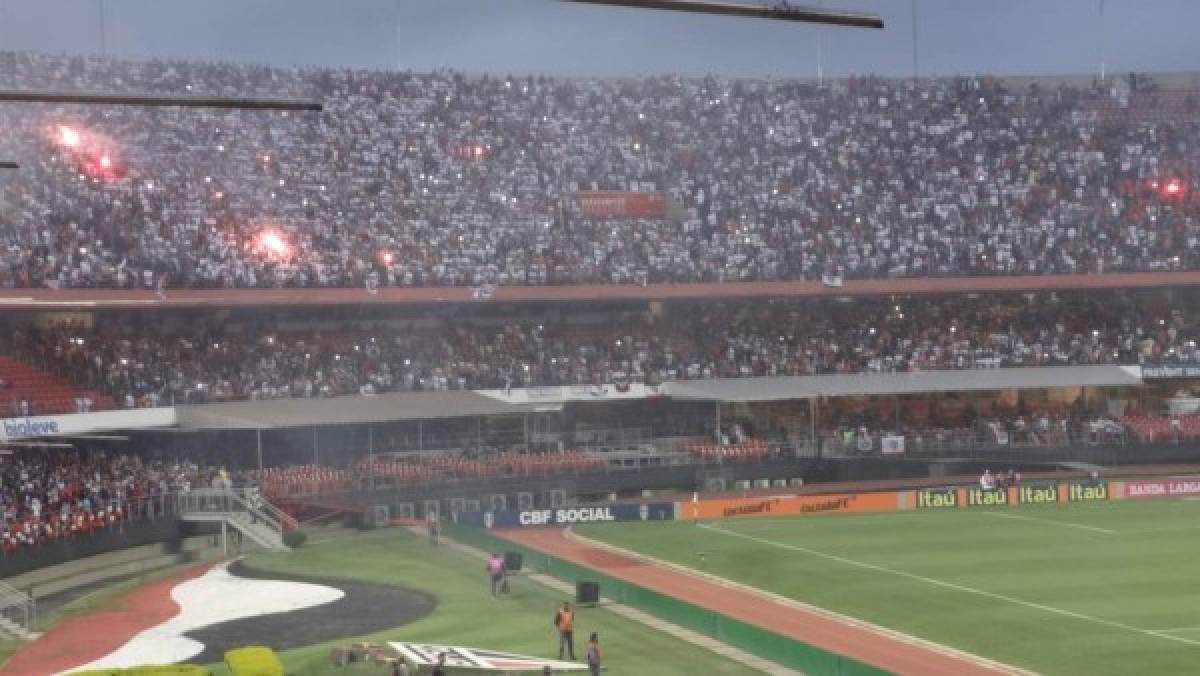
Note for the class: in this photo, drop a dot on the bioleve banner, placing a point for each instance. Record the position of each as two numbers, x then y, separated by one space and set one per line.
12 429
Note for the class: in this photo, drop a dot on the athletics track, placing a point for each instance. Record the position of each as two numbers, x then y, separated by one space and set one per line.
872 646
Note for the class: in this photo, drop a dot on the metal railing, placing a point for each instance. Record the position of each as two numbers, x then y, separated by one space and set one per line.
245 510
270 511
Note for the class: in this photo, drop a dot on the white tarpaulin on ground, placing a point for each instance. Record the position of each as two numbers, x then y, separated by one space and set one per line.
458 657
214 598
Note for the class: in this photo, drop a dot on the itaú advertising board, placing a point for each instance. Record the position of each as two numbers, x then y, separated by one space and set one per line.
1162 488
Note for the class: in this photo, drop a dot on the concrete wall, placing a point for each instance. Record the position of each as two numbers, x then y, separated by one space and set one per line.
53 579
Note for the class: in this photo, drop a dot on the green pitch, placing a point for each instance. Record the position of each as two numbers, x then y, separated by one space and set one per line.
466 613
1085 588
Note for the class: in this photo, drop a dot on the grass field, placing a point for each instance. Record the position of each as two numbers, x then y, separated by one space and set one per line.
467 615
1084 588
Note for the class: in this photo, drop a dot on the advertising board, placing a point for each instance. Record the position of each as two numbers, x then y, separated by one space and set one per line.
1162 488
790 505
937 498
1080 491
569 516
979 497
27 427
1041 493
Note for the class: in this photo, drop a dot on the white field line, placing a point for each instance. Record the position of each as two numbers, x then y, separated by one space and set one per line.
1053 522
1179 629
1164 529
854 622
956 587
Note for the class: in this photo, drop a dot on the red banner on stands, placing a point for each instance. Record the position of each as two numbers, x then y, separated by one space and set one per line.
627 204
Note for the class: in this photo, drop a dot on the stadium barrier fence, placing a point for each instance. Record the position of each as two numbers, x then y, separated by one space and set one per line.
750 638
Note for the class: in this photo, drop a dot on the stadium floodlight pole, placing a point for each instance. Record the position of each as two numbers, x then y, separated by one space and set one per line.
100 98
780 11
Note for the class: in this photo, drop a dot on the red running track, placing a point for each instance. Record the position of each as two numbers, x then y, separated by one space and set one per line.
860 643
79 640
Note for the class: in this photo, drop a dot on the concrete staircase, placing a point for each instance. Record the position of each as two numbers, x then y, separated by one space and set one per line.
13 631
17 614
45 584
245 511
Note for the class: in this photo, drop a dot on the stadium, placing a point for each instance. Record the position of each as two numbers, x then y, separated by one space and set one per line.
453 342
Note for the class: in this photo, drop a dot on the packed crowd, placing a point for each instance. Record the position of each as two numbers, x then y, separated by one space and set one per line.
198 359
443 179
982 432
50 496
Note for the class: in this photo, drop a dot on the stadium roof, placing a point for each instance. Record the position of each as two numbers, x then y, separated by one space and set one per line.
805 387
396 406
349 410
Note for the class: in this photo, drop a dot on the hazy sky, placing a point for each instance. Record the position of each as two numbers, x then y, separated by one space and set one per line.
546 36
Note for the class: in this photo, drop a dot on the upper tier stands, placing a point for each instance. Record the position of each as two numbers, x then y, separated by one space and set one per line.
443 179
147 360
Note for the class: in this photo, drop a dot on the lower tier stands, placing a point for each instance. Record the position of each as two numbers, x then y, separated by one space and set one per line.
420 468
25 390
48 496
706 451
1163 428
